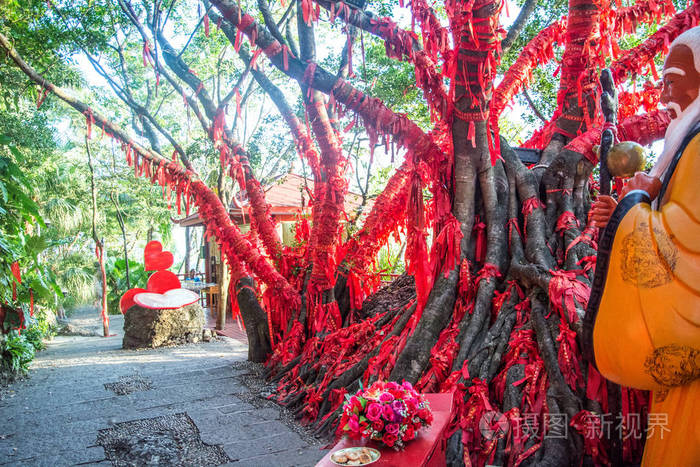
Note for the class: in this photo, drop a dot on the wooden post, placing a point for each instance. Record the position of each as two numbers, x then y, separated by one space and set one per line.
187 250
608 104
223 275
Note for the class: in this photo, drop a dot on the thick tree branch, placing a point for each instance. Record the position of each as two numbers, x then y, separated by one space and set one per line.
518 25
534 108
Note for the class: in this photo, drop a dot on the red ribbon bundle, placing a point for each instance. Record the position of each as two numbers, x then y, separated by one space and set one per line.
590 426
535 387
564 291
539 51
417 260
569 356
636 59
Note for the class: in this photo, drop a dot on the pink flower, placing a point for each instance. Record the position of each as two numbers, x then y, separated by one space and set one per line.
374 411
407 385
392 428
353 424
388 413
386 397
397 405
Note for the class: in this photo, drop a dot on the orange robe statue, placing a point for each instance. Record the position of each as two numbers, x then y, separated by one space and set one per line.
646 332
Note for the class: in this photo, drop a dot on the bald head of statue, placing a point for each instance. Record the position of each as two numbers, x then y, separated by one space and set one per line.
681 76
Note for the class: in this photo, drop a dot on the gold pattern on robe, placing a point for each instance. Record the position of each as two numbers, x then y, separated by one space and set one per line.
644 263
673 365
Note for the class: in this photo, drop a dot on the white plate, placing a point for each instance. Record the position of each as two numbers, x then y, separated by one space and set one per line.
373 453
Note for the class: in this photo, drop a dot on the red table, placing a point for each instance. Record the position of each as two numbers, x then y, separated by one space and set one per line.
427 450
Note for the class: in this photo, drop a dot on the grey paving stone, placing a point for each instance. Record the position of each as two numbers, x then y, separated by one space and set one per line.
62 458
266 445
53 417
290 458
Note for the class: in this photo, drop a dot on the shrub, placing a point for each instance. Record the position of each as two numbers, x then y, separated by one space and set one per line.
16 351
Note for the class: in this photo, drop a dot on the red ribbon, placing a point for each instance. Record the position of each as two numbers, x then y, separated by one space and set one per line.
564 291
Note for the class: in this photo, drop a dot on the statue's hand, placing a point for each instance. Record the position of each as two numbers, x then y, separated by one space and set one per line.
601 211
643 181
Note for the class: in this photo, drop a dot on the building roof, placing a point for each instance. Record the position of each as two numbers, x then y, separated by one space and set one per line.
286 195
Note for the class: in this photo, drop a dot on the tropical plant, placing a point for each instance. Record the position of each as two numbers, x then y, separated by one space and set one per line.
17 352
116 280
24 278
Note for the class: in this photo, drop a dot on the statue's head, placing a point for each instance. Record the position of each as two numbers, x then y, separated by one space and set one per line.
680 95
681 82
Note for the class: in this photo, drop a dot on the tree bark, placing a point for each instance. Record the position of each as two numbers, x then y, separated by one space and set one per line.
254 318
99 245
120 220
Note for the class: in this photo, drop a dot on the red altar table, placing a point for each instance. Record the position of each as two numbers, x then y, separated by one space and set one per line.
427 450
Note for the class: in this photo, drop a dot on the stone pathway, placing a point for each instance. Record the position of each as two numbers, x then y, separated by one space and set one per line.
54 417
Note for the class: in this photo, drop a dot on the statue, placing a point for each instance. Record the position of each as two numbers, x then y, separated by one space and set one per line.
643 319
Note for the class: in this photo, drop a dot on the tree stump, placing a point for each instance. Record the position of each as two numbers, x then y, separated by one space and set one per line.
149 328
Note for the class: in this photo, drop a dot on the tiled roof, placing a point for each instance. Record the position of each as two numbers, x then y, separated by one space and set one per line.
286 194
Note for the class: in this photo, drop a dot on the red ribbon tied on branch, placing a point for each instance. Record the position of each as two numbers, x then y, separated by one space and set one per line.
590 426
568 356
564 291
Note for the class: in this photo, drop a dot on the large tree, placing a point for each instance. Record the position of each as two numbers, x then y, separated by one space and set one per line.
495 306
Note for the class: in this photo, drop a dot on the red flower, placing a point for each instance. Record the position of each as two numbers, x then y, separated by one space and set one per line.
389 439
409 434
378 425
355 403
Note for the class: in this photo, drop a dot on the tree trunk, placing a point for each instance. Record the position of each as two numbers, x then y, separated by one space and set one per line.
120 219
99 245
254 318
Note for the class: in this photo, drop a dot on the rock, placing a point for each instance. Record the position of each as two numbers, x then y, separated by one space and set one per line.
68 329
206 335
148 328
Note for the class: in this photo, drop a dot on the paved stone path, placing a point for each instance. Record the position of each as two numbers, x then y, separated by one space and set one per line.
53 417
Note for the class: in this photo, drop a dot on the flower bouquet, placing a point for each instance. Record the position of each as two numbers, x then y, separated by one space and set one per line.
386 412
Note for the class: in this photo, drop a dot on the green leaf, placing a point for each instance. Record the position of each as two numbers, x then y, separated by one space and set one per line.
3 191
16 152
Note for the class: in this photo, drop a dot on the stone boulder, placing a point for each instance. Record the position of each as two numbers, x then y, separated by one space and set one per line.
148 328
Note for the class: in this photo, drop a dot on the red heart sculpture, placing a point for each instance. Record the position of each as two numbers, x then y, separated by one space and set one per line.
171 299
155 259
162 281
127 300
